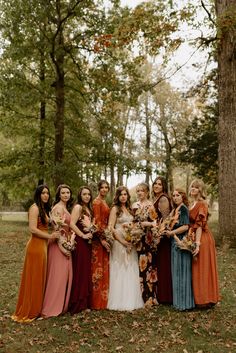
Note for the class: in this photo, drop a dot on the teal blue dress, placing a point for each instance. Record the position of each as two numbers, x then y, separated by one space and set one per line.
181 268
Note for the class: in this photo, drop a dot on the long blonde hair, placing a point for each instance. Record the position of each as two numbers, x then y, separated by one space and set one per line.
200 185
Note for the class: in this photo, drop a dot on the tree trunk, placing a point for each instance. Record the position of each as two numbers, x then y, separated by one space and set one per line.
112 179
58 61
148 168
168 149
42 122
226 12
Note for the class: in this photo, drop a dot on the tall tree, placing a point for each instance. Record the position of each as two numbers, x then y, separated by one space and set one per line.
226 26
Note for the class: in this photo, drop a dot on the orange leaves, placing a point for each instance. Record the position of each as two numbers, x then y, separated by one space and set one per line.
102 42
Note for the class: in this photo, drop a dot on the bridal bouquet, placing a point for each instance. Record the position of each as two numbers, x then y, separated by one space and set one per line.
133 232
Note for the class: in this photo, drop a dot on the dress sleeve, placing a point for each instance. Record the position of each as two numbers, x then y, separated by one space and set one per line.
97 211
202 214
184 216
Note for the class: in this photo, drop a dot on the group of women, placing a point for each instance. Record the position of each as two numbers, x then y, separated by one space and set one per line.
77 267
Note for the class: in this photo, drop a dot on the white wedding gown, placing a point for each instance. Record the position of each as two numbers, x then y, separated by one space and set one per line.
124 285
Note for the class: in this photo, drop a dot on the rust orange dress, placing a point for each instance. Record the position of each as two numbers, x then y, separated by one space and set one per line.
100 257
33 279
204 266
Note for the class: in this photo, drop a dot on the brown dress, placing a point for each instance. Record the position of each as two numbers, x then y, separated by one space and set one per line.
33 279
100 257
204 267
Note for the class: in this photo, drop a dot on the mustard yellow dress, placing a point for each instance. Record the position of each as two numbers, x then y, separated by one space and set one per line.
33 279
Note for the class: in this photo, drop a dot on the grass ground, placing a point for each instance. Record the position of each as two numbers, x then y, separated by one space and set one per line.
161 330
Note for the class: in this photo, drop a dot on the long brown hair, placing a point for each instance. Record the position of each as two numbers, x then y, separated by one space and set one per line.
163 183
116 201
184 196
81 203
69 203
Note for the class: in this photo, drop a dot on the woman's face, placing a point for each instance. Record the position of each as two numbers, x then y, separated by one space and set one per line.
45 195
157 187
177 198
85 196
141 193
104 189
123 197
194 190
64 195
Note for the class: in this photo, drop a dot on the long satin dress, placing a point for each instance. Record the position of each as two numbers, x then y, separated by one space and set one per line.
80 298
59 279
33 279
164 286
204 267
100 257
181 266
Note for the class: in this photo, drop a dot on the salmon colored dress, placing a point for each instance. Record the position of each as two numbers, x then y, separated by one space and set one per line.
59 278
100 257
33 280
204 267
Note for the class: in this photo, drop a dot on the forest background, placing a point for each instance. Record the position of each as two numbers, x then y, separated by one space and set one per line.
87 93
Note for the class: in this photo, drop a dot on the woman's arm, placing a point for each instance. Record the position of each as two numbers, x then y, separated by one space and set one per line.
111 225
75 216
198 241
173 233
33 225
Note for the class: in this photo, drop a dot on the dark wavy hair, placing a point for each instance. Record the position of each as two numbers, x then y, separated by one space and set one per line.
101 182
80 201
117 203
57 196
184 197
163 182
44 208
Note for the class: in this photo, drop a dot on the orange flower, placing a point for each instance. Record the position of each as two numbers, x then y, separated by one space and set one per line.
142 262
151 276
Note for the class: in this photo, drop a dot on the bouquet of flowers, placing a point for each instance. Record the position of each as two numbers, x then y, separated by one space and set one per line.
108 236
89 227
144 213
68 241
57 220
168 222
188 242
67 236
133 232
156 237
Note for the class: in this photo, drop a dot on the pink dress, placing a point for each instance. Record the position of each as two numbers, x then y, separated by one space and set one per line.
59 279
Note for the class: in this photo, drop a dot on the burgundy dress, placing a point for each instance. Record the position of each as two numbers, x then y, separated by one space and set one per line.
81 291
164 286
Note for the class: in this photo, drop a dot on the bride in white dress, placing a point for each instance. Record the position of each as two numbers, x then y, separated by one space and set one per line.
124 285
